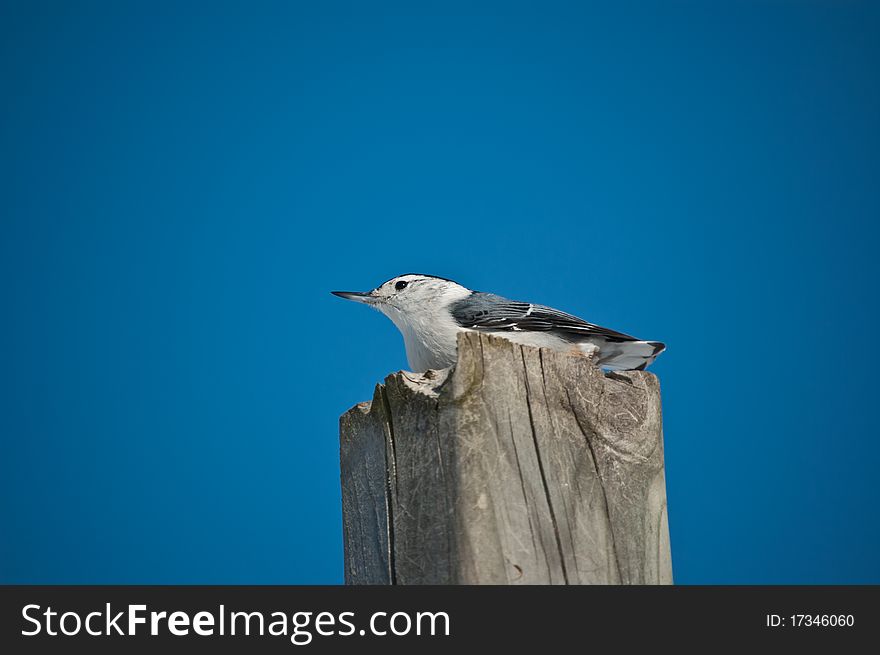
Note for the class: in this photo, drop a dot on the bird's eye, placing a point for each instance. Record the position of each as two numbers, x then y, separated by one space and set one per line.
400 285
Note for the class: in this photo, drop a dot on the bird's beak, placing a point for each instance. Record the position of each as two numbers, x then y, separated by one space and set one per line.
365 297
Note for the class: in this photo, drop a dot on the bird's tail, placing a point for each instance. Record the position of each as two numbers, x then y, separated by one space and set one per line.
630 355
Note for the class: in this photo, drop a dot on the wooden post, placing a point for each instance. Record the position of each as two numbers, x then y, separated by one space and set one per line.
517 466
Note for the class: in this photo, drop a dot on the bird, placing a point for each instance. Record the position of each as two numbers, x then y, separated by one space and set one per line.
431 311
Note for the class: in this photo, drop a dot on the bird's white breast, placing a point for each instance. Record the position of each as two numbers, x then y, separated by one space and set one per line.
430 333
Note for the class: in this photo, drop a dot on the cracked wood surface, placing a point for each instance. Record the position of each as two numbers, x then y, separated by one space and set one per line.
517 466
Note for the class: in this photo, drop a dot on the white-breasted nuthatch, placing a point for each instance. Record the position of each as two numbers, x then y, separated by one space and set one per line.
430 311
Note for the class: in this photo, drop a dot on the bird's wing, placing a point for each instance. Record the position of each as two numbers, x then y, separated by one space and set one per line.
491 313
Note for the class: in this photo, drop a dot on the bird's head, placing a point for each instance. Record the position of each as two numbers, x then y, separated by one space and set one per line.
409 295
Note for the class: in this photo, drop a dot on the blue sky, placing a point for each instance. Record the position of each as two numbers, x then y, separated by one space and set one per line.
183 184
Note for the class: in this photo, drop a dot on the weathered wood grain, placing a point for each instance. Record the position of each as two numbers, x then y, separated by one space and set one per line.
517 466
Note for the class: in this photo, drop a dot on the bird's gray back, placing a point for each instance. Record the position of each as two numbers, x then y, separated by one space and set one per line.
490 312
